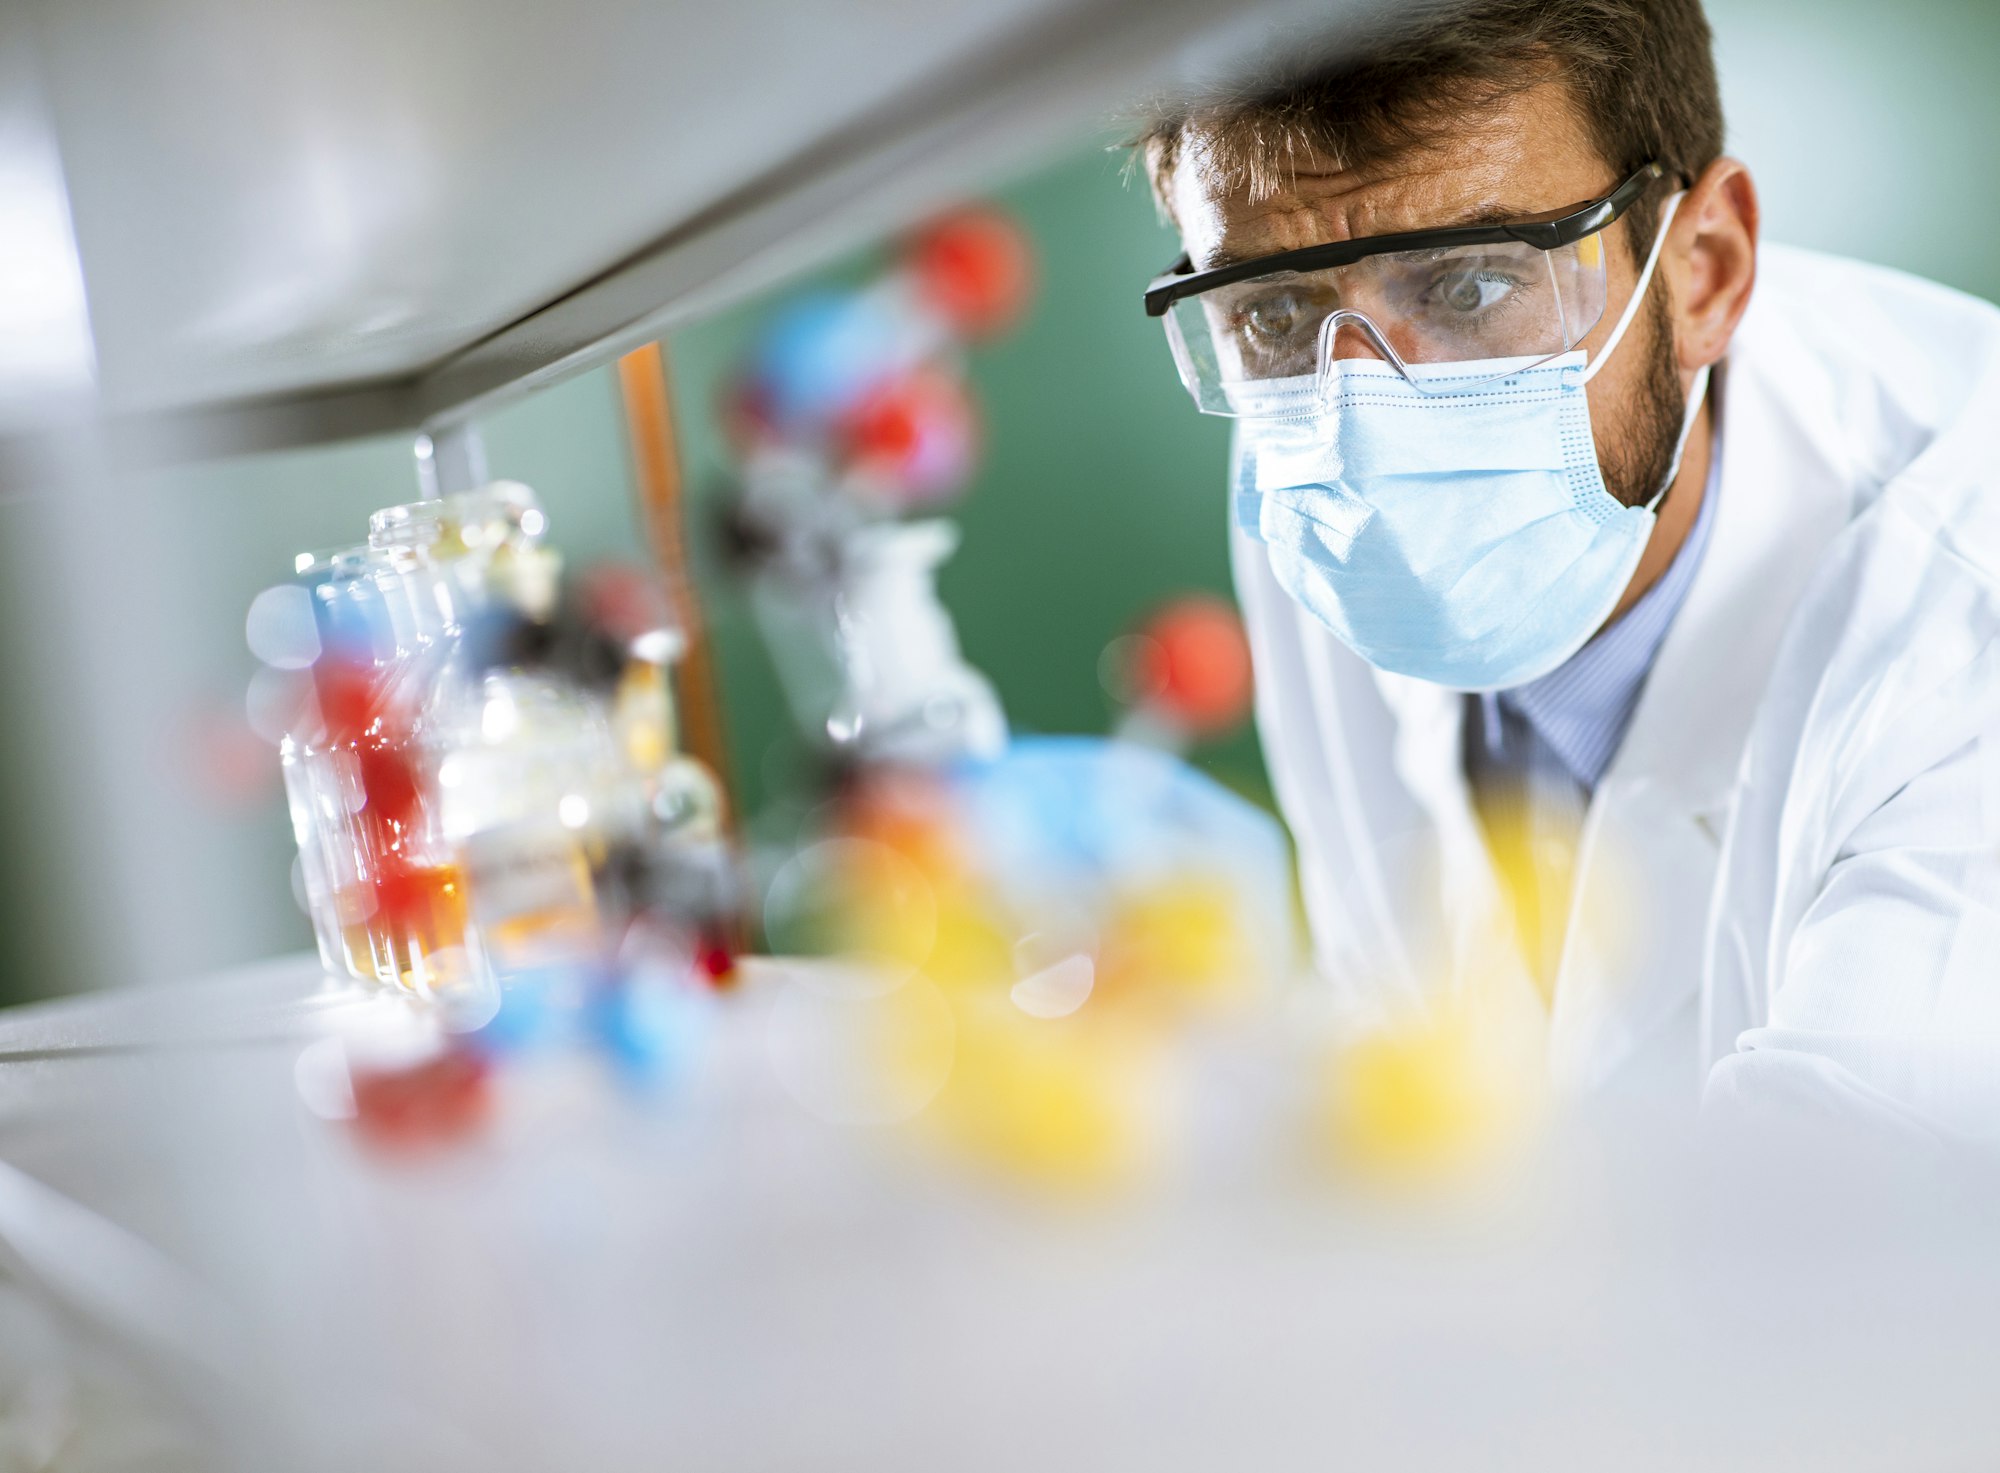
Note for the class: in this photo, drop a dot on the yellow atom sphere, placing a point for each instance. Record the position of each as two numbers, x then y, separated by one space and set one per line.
1428 1098
974 946
1180 937
1061 1101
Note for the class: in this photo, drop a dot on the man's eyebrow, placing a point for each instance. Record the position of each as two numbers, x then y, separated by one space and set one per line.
1487 215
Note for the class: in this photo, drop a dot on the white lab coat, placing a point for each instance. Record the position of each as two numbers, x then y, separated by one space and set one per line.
1788 883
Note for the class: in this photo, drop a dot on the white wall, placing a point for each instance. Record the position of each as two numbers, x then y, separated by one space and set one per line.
1871 127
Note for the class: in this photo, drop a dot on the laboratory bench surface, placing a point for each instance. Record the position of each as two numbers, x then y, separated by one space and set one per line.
719 1278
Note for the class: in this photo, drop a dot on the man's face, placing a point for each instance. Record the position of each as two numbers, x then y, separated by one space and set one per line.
1525 158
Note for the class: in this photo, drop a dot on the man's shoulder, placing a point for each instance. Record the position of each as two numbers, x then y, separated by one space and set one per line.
1869 340
1909 385
1860 300
1897 631
1892 381
1872 394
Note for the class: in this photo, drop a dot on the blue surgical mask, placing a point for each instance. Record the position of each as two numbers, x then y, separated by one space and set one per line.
1463 538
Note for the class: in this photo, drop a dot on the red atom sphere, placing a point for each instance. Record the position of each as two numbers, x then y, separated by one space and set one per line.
1195 664
435 1102
389 778
717 964
622 599
409 894
917 437
974 266
347 695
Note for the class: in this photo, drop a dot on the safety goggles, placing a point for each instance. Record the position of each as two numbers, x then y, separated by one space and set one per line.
1504 296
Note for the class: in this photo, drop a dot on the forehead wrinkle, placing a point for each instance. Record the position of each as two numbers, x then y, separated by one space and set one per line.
1356 210
1514 161
1516 175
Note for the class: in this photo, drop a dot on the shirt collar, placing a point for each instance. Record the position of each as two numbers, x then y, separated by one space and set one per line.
1581 708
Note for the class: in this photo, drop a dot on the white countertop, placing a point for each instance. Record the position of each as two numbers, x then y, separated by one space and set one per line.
719 1279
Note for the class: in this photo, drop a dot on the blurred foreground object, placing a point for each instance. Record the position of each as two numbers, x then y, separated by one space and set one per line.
612 1287
1184 674
1443 1098
485 782
854 410
657 468
1024 942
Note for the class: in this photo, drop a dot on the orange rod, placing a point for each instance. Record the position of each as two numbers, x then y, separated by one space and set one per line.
649 422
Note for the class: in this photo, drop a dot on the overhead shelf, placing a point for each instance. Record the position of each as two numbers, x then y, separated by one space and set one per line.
304 223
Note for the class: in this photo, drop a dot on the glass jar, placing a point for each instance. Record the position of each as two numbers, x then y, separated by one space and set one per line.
323 785
483 742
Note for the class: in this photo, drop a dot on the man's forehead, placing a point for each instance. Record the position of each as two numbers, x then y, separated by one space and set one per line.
1505 166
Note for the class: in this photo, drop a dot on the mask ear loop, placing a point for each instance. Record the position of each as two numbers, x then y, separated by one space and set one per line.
1638 291
1696 394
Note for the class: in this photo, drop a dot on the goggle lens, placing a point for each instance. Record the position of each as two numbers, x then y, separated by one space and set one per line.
1495 302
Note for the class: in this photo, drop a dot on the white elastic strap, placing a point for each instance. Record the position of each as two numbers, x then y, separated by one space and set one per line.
1638 291
1697 392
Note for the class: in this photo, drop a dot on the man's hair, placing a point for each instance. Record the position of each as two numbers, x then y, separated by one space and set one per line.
1640 75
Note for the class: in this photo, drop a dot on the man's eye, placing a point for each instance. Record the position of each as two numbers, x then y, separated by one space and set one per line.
1272 319
1472 292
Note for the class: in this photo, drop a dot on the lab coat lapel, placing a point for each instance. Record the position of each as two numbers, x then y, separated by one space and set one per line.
1647 857
1430 758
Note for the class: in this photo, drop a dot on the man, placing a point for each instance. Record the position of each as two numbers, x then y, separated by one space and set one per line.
1623 594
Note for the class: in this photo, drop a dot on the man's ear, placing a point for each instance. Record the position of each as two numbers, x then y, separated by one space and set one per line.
1711 262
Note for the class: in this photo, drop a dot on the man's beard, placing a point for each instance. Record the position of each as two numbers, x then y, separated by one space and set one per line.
1635 471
